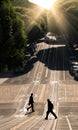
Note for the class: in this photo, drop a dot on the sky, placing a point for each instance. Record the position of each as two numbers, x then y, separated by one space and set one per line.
44 3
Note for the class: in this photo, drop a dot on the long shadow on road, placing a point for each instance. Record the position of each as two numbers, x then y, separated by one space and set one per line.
54 58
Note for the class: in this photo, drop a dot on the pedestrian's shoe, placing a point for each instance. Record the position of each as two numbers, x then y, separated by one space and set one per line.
56 117
33 111
46 118
27 109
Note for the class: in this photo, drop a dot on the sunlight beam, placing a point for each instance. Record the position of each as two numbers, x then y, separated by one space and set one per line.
47 4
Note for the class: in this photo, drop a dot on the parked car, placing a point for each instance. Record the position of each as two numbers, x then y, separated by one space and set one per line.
72 59
73 65
30 50
73 69
76 75
49 38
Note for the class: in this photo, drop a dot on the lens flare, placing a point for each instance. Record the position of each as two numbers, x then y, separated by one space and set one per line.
47 4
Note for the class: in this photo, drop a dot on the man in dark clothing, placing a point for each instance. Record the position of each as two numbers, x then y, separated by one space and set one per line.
50 109
31 103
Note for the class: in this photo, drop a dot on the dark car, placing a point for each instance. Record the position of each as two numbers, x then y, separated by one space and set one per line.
73 69
76 75
73 65
72 59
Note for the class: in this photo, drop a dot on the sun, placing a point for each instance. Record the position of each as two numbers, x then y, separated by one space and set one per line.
47 4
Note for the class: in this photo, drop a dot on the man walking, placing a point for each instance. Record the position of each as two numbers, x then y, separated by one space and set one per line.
50 110
31 103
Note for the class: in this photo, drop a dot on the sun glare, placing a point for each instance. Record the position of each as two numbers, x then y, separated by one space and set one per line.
47 4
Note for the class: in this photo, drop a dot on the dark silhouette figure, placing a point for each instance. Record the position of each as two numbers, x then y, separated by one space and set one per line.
31 103
50 109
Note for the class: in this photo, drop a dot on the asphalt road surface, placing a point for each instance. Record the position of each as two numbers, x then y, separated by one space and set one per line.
47 76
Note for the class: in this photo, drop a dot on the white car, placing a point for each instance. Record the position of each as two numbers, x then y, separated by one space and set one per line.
49 38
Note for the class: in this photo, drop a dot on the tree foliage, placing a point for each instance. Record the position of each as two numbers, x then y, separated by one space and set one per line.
21 19
12 37
28 12
70 10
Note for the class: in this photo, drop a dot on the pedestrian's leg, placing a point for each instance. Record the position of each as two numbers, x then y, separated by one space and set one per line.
28 108
54 114
32 106
47 113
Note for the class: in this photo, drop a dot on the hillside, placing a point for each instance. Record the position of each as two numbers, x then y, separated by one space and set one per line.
23 3
69 10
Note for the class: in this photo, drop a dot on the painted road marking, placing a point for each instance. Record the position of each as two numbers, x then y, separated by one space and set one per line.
46 75
70 127
20 124
22 115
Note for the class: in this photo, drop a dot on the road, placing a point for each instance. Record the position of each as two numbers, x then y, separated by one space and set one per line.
47 76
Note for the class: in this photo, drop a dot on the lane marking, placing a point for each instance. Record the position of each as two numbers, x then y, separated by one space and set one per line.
28 75
54 125
55 122
35 123
46 73
43 126
65 93
20 124
42 93
70 127
22 115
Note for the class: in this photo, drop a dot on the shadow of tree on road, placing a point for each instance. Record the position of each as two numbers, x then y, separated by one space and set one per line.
54 58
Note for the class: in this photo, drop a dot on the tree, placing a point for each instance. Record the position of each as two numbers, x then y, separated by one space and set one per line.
35 33
12 37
